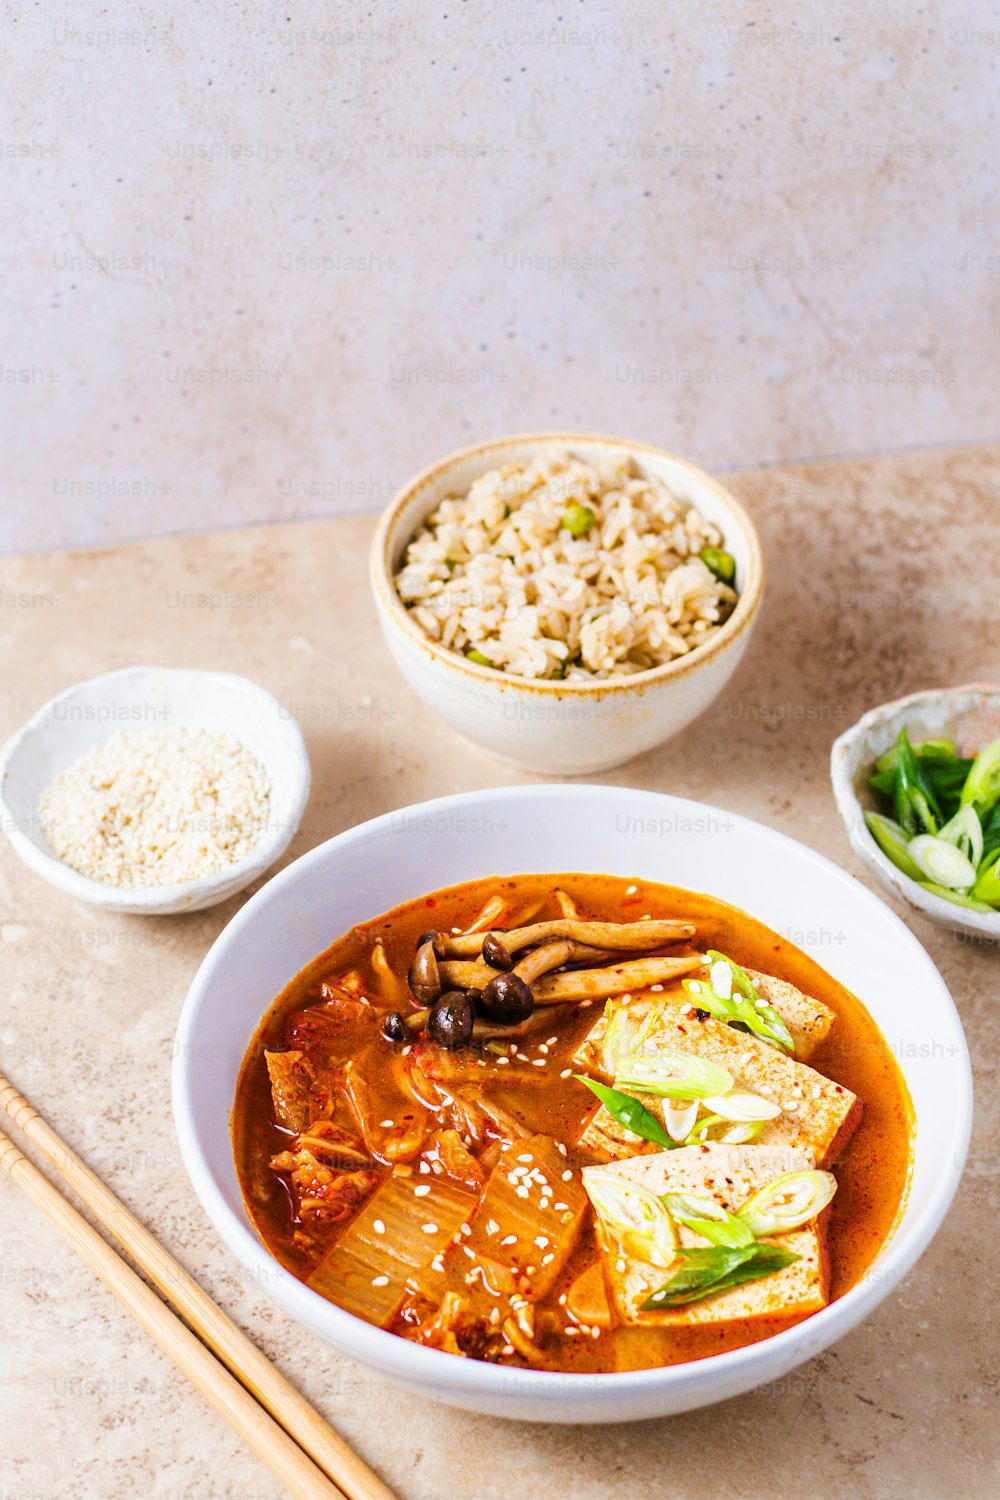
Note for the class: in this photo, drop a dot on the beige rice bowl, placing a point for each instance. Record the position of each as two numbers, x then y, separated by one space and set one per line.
496 572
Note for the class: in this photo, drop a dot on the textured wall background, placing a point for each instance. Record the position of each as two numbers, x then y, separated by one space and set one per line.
266 261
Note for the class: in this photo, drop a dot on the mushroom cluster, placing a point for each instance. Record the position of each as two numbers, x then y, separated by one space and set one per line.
471 986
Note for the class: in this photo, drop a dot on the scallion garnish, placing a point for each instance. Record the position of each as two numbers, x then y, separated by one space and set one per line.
672 1074
730 995
709 1219
982 787
630 1113
788 1202
637 1218
945 829
705 1273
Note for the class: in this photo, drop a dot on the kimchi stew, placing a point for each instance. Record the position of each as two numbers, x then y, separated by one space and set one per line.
573 1123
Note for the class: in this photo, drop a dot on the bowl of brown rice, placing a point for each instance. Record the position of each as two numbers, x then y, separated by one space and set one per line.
566 601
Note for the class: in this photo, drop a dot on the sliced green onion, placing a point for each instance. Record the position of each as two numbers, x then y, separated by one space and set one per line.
698 1273
788 1202
938 752
942 863
884 782
637 1218
915 805
672 1074
708 1272
894 844
732 997
982 786
679 1118
739 1135
578 519
742 1106
684 1206
965 831
709 1219
626 1030
478 658
987 886
722 564
707 1128
970 902
630 1113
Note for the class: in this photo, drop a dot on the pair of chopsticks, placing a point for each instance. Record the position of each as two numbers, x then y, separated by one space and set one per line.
306 1455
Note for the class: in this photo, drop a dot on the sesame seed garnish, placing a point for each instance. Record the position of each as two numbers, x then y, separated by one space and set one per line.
492 1226
566 1073
378 1227
509 1239
380 1281
429 1228
567 1176
422 1189
386 1124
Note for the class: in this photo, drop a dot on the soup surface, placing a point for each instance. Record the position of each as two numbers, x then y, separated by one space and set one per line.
440 1191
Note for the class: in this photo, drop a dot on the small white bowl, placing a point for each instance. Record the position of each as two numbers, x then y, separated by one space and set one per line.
602 829
147 698
564 728
970 715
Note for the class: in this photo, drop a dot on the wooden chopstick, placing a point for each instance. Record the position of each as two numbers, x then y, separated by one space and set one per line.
238 1354
269 1441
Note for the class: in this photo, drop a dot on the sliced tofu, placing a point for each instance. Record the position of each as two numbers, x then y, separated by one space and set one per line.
729 1174
403 1227
522 1232
817 1115
808 1020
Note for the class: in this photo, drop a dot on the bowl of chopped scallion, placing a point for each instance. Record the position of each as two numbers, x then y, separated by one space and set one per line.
917 784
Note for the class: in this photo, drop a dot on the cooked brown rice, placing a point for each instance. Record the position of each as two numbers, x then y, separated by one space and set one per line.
496 571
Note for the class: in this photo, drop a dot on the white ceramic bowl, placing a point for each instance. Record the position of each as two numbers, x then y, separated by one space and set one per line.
970 715
590 828
138 698
564 728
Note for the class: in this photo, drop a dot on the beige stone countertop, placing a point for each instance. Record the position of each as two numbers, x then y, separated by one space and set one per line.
882 580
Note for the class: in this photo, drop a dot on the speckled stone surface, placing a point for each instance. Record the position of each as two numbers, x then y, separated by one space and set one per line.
266 262
881 582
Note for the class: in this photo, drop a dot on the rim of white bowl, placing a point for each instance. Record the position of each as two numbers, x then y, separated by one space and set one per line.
157 898
740 621
851 809
419 1366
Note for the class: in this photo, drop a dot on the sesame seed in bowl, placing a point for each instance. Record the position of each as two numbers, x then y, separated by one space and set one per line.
154 789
